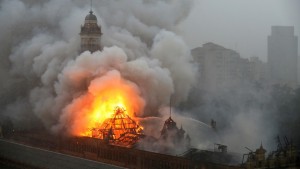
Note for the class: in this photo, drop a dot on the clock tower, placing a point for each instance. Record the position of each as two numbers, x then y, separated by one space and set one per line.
90 34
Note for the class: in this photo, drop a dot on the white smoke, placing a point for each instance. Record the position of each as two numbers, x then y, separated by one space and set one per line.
40 51
42 72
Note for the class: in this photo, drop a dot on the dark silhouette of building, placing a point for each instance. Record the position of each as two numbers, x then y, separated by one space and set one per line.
286 156
171 133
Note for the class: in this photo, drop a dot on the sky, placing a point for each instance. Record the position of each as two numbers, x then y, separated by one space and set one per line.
242 25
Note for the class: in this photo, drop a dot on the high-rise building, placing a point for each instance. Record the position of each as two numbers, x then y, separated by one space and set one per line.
282 55
90 34
220 67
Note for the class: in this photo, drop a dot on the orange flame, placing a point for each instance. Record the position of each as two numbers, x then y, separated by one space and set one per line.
104 95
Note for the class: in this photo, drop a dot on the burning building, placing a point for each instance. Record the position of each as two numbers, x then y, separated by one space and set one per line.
94 98
119 130
108 110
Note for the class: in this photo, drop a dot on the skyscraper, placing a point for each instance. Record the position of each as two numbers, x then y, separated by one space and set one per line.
282 55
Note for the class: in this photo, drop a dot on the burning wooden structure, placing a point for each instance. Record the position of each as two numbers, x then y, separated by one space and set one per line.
119 129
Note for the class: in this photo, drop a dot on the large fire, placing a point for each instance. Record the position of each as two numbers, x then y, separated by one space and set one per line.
105 94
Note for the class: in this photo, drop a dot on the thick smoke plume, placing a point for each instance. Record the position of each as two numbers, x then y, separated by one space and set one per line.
44 74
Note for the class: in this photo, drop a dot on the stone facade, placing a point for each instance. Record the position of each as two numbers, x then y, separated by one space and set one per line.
90 34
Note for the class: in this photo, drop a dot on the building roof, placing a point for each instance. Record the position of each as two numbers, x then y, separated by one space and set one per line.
260 150
91 16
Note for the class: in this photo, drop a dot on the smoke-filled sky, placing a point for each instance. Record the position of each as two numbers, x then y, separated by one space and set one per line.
44 77
242 25
147 45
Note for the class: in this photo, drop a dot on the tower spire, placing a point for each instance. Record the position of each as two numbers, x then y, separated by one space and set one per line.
91 6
